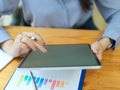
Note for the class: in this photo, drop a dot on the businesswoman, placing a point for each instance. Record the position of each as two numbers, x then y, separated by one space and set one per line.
60 14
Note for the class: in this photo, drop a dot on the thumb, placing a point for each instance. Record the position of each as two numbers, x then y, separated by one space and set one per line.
99 55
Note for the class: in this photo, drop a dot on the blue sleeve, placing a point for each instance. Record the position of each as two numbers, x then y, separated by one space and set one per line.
110 10
3 35
6 7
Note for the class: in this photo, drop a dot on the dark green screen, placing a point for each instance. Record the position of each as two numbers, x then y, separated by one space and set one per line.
69 55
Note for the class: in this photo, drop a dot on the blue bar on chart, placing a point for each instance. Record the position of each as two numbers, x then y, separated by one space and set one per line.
40 81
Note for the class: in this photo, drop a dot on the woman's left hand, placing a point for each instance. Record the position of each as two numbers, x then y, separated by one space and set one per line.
97 49
100 46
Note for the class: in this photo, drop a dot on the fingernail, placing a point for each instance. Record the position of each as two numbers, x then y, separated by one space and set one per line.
44 51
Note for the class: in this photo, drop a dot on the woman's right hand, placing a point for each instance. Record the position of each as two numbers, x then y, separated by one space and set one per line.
23 43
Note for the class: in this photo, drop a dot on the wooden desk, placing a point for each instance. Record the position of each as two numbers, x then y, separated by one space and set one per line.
107 78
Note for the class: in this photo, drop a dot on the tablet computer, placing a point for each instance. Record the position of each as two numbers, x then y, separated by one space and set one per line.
65 56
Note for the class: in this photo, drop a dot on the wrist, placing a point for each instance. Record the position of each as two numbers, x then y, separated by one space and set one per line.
105 43
7 45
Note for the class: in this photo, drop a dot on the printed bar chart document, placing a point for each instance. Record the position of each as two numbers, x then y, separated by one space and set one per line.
45 80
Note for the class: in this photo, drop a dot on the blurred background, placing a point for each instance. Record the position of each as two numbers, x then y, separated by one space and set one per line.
98 19
15 18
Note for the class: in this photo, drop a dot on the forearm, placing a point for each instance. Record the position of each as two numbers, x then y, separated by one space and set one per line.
3 35
5 40
110 10
6 46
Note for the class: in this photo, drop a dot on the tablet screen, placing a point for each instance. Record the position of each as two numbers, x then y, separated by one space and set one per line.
66 56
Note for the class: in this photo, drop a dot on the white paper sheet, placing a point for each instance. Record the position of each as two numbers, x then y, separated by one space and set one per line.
44 80
4 59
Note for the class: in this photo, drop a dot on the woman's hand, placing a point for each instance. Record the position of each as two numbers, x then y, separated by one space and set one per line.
99 47
23 44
